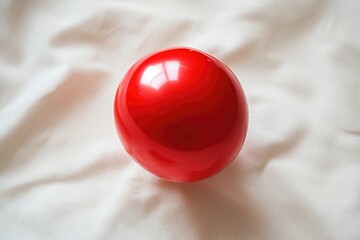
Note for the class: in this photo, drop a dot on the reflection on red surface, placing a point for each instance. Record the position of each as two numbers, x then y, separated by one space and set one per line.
157 75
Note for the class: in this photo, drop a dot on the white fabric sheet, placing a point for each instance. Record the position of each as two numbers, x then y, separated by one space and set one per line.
65 175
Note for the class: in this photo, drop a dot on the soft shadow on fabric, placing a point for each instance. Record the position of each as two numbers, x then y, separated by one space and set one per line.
218 208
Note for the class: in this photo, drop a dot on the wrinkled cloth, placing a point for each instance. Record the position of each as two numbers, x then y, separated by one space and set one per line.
65 175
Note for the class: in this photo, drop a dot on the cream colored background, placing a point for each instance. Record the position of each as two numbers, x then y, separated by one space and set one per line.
64 174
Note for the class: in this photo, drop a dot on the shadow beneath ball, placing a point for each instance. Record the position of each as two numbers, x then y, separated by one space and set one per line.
220 207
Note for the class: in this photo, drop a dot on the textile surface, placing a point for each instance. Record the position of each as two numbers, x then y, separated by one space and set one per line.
65 175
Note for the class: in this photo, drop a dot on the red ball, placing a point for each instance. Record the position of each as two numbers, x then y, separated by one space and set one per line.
181 114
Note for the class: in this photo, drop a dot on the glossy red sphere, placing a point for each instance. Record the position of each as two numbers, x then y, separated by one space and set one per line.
181 114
